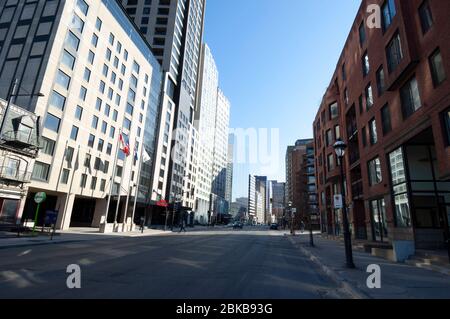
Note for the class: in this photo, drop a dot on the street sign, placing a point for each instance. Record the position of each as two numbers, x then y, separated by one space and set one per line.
338 202
294 210
40 197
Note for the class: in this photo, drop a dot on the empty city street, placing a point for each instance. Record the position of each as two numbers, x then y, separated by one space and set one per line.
253 263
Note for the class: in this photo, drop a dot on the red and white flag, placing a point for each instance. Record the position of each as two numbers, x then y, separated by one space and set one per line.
125 146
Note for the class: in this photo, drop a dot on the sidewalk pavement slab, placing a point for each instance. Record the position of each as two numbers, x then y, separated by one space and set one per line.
398 281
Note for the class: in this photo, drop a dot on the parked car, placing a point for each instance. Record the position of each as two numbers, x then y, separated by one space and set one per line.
238 225
274 226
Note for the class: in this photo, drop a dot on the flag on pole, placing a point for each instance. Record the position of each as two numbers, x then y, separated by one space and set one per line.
145 156
125 146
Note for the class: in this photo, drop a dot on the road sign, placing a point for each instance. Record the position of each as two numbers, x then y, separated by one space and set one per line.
40 197
294 210
338 202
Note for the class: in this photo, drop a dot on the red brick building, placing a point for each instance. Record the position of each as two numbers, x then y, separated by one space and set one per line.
389 100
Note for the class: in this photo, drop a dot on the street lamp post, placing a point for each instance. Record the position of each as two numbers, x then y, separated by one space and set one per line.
340 148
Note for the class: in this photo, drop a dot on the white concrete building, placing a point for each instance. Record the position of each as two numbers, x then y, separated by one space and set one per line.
99 78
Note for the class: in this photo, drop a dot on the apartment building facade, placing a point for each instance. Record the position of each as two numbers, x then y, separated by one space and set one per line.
100 81
389 101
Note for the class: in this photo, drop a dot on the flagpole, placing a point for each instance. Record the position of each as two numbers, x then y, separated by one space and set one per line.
125 215
120 191
138 183
112 182
75 168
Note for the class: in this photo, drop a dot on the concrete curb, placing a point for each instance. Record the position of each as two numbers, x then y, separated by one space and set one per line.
354 292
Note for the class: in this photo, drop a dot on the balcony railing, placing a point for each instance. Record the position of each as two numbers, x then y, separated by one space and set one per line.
20 139
14 175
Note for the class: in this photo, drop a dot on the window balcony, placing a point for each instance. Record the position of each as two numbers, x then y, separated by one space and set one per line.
20 140
13 175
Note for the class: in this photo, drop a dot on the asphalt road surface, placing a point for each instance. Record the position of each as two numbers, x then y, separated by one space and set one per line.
221 264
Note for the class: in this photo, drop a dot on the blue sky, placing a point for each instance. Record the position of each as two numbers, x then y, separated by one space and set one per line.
275 60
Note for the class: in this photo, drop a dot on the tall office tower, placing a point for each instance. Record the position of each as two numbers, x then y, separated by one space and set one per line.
262 189
212 123
251 209
175 29
98 76
205 120
229 182
278 201
220 156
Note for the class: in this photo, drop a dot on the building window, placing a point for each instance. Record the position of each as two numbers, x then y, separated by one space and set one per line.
68 60
119 171
410 98
87 161
386 119
100 145
57 100
388 11
40 172
337 132
362 33
369 97
52 123
437 68
87 74
104 127
94 122
426 18
333 109
83 6
91 140
102 185
47 146
329 137
446 125
109 149
68 154
330 162
62 79
74 133
94 40
378 218
111 39
93 183
83 180
91 57
380 81
365 64
83 92
400 189
346 99
374 167
65 176
394 53
72 41
373 132
98 24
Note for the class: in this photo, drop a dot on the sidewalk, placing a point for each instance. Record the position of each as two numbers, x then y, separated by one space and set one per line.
398 281
74 235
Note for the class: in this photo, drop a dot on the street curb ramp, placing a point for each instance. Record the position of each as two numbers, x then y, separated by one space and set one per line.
333 275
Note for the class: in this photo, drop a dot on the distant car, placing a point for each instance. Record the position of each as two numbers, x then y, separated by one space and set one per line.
238 225
274 226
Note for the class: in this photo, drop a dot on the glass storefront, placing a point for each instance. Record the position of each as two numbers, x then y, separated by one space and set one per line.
8 210
400 189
